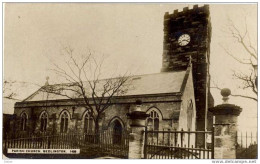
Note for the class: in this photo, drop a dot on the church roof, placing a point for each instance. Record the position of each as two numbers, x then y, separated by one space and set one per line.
158 83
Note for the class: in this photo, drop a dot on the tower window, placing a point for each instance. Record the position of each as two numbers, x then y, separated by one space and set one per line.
23 121
64 122
44 119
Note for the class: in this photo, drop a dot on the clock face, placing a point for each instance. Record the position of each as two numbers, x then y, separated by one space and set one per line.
184 39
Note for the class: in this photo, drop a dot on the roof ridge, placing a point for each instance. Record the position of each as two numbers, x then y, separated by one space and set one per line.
160 73
132 76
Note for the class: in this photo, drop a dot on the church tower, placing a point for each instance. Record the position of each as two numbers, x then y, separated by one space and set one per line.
187 35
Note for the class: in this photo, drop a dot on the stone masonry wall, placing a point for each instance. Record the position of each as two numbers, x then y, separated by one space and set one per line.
169 113
187 119
196 23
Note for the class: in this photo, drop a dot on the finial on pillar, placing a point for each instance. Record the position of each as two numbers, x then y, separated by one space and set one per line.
225 92
137 115
47 82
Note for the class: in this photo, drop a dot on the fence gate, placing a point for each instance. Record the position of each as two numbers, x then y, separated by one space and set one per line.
177 145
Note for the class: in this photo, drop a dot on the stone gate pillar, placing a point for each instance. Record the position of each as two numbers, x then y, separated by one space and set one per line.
136 140
225 139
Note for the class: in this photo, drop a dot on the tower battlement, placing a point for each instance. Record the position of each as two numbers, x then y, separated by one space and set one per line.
196 23
187 10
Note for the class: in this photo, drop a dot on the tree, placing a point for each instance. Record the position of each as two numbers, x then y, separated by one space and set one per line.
12 88
247 59
8 92
83 85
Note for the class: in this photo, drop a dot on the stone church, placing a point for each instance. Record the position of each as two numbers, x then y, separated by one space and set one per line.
178 97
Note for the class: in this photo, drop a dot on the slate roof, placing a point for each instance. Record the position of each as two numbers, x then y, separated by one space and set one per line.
166 82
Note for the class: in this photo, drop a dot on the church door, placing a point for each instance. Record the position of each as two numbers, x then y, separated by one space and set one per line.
117 132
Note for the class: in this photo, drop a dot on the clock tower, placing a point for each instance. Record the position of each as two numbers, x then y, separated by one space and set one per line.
187 36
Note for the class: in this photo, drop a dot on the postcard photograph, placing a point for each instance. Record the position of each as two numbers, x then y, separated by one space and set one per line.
130 81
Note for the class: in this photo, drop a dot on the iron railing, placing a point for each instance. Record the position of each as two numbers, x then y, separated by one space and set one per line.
106 142
177 145
246 147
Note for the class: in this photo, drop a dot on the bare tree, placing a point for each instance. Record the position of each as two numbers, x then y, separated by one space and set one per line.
12 88
8 93
248 78
83 85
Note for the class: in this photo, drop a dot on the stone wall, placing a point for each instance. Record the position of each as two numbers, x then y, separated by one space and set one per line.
196 23
188 107
187 119
169 111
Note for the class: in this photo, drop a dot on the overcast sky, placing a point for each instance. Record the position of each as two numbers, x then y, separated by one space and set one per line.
130 35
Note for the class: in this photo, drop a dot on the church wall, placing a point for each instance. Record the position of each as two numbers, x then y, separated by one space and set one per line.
18 114
187 119
169 113
116 111
188 107
53 123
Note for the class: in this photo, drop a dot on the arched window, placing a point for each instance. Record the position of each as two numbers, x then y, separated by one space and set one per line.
64 122
23 121
44 119
88 123
117 131
153 120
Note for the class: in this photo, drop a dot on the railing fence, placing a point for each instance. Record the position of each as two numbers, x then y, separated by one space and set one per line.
107 142
246 145
168 144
